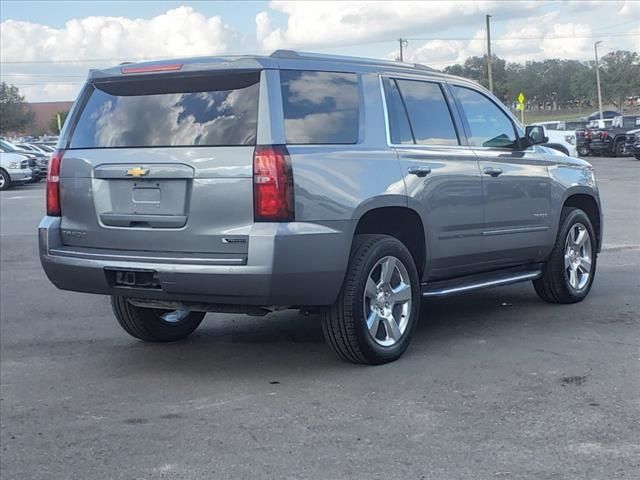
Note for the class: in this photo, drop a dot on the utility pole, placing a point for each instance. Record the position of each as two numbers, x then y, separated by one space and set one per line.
489 58
595 46
403 43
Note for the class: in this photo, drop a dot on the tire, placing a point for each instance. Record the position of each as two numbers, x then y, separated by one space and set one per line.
148 325
637 157
619 149
5 180
345 323
555 284
583 151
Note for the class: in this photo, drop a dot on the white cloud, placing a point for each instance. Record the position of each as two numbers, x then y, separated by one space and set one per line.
350 22
178 32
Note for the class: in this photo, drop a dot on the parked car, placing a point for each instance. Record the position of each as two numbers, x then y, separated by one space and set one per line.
349 187
632 143
606 114
38 161
561 140
47 148
14 170
610 141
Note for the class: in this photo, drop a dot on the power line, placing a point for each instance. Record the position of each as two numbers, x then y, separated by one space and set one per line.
544 37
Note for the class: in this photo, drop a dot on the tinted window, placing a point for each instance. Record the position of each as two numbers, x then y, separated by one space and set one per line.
320 107
221 110
399 128
428 113
489 126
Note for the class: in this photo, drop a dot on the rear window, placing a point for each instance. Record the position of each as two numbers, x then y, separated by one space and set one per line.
320 107
213 110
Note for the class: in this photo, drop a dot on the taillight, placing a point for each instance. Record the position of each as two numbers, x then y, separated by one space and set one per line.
272 184
53 184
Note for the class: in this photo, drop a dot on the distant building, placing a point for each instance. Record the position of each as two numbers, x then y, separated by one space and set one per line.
43 113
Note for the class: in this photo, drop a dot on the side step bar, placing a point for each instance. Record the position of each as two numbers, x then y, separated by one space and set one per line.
476 282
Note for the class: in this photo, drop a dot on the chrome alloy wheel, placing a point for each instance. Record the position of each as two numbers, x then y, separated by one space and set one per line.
173 317
2 180
577 256
387 301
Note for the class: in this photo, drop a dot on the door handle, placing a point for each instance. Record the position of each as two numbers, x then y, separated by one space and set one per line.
419 171
493 171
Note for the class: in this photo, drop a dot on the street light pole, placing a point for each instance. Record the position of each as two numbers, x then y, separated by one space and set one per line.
595 46
403 43
489 58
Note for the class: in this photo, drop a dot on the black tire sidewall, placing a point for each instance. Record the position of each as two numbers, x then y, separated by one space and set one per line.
147 325
386 246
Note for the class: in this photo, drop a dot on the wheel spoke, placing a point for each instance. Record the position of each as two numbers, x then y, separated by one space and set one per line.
371 289
388 267
400 294
567 260
585 265
373 322
573 277
581 238
391 326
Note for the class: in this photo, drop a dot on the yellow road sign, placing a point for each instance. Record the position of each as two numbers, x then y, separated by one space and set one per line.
520 106
521 98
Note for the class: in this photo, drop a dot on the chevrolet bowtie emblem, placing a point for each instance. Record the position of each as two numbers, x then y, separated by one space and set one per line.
137 172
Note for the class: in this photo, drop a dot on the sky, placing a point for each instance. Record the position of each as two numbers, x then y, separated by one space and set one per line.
47 47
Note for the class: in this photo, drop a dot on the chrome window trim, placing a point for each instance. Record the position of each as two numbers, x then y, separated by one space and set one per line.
386 116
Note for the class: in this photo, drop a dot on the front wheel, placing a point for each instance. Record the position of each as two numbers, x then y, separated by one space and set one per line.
377 309
5 180
568 274
154 325
620 149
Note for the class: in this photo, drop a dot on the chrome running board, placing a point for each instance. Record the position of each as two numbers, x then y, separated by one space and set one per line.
477 282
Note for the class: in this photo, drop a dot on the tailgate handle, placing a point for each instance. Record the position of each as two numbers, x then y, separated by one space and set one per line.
143 221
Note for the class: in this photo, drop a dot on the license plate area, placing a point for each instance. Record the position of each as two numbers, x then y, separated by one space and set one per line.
128 278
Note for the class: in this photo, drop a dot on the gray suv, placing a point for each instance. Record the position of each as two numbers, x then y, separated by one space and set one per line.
350 187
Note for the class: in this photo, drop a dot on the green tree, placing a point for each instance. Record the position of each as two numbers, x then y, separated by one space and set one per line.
620 76
53 123
15 114
476 69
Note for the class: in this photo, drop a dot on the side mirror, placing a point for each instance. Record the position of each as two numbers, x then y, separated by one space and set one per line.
534 135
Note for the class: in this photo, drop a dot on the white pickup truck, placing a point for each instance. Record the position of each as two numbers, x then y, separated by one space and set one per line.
562 140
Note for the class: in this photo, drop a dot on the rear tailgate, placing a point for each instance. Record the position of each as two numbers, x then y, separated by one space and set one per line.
162 164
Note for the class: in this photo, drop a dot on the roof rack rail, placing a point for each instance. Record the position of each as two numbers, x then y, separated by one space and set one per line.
292 54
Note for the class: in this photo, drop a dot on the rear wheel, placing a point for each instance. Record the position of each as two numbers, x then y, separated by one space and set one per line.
154 325
568 274
620 149
5 180
377 309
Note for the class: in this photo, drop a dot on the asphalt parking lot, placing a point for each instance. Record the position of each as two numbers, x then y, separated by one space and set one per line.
496 384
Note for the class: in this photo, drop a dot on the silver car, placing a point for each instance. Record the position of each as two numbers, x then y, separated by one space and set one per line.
345 186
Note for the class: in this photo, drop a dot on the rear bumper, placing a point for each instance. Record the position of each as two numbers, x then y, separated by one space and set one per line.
289 264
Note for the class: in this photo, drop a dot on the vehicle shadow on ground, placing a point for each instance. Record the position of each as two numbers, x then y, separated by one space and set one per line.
288 341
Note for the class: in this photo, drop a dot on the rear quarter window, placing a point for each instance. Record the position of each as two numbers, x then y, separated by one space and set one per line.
211 110
320 107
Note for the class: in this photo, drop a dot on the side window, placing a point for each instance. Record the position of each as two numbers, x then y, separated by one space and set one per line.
428 112
320 107
399 129
489 126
